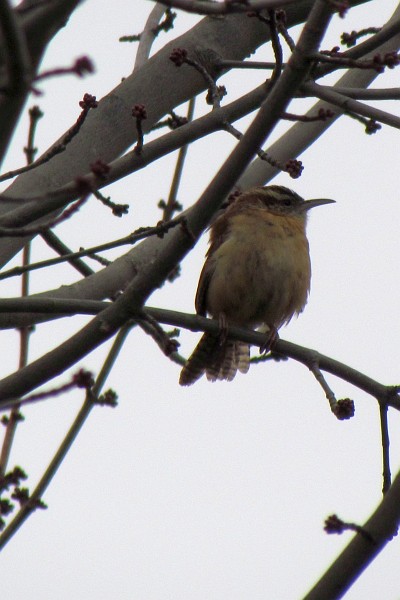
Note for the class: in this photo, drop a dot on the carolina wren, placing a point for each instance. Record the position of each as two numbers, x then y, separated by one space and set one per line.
257 273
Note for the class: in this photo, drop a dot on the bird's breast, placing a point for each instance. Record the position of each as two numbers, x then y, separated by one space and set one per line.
261 272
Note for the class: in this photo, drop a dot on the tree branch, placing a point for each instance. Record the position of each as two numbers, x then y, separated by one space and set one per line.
348 104
110 126
204 7
307 356
381 527
148 35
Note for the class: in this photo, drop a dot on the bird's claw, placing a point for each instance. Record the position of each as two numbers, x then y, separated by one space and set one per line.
270 339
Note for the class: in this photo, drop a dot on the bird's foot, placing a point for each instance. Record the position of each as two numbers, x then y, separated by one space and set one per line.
271 336
223 329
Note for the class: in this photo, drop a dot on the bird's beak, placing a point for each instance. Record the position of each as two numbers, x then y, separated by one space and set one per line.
317 202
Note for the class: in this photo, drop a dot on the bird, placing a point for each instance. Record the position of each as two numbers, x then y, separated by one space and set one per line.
257 274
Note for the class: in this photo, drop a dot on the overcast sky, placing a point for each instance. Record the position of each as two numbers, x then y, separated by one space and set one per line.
219 490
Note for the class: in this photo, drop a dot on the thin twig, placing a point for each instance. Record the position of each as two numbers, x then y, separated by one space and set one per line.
131 162
179 56
360 93
341 61
350 39
118 210
140 234
58 246
150 32
171 204
330 396
139 113
81 67
387 478
90 401
15 416
246 64
26 231
276 45
34 115
343 409
381 528
281 24
350 105
335 525
368 46
86 104
168 345
293 167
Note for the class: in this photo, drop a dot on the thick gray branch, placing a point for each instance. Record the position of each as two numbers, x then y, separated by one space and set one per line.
109 130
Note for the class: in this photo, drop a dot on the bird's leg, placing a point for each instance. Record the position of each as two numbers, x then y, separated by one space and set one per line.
223 329
271 336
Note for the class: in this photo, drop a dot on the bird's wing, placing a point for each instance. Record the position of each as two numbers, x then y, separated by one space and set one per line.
218 233
202 288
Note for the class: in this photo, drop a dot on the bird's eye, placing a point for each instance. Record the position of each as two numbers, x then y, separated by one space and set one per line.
287 202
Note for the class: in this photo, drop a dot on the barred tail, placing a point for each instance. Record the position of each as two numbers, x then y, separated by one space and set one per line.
218 360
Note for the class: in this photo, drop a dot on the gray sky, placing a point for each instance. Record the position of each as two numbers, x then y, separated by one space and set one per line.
219 490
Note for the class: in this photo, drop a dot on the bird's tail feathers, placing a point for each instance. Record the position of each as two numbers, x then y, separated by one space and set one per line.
217 360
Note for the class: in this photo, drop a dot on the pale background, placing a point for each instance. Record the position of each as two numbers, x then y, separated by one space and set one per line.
219 490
